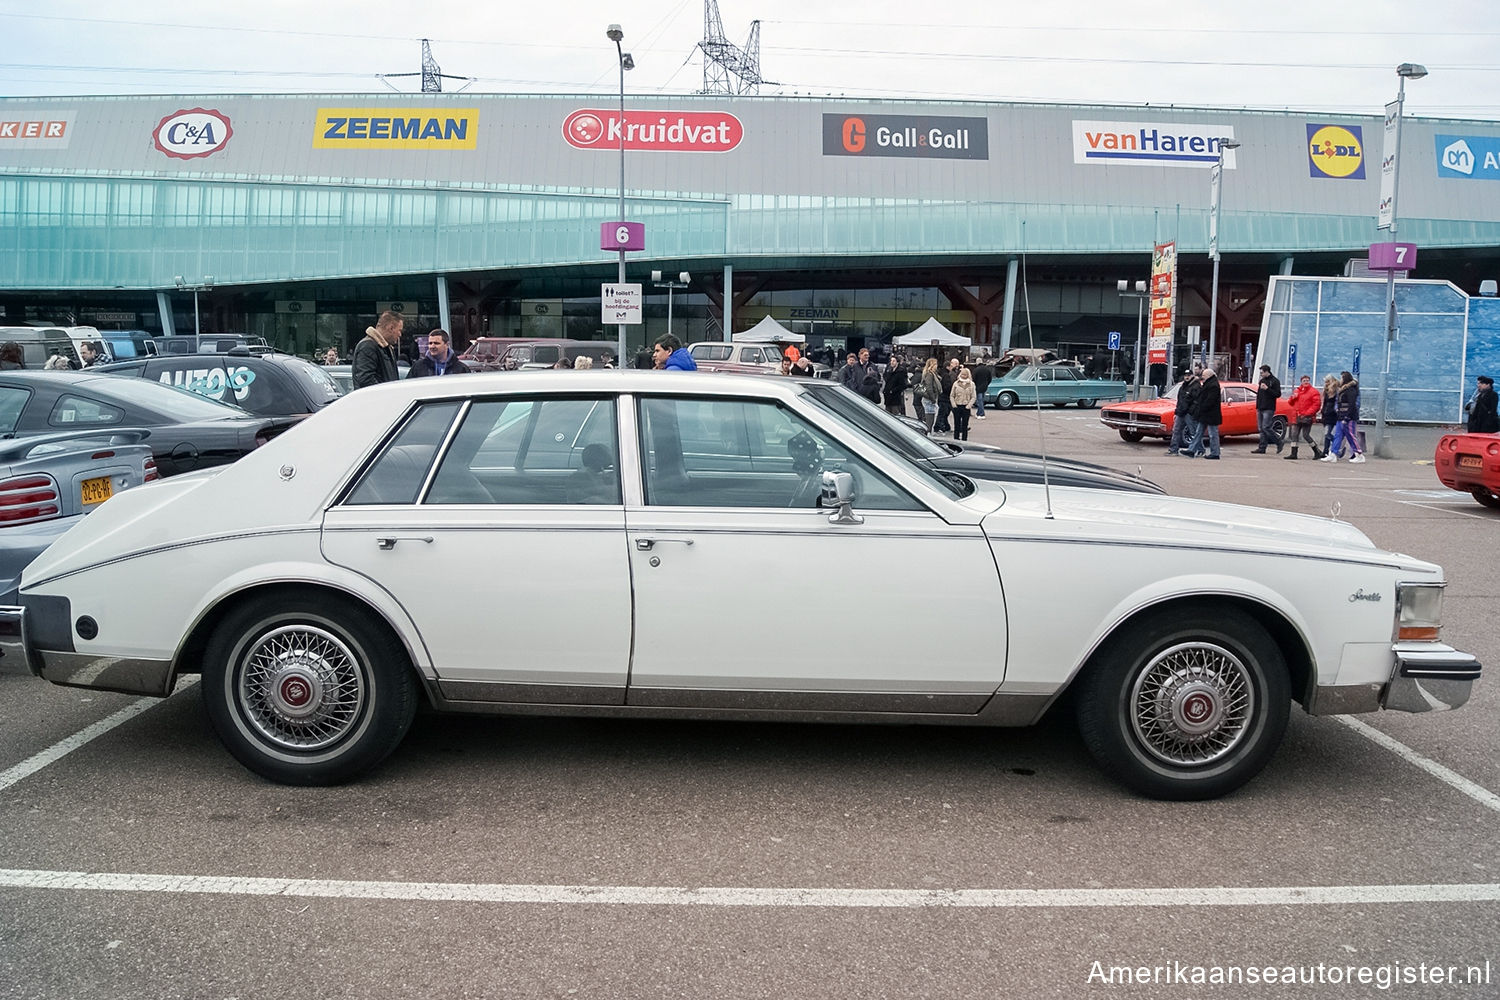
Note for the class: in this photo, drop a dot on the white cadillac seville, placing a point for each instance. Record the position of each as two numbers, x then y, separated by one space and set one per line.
602 521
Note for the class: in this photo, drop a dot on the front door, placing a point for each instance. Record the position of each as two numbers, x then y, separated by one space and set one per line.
746 596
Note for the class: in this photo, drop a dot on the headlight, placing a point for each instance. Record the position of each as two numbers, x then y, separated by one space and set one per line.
1420 611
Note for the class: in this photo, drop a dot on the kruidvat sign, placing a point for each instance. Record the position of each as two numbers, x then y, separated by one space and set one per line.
396 128
192 132
676 131
935 137
1151 144
1469 157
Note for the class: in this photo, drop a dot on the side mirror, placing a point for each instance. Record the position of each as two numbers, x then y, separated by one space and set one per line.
838 491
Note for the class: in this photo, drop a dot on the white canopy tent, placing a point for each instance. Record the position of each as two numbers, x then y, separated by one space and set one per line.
768 331
930 334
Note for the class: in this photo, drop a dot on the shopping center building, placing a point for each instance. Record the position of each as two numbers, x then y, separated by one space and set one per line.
300 217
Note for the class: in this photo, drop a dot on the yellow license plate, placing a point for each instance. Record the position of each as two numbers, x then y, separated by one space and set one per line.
1470 462
97 490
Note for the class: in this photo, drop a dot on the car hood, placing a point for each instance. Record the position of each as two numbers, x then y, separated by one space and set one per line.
982 461
1145 520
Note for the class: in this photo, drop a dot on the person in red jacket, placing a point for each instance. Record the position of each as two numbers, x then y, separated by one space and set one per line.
1306 403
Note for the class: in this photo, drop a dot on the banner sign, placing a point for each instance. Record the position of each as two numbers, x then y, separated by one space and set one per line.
1387 213
1215 185
924 136
1163 301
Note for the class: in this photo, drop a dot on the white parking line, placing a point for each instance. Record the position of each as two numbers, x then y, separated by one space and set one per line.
614 895
58 750
1478 793
1441 508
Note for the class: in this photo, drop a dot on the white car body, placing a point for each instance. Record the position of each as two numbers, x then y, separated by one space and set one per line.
610 608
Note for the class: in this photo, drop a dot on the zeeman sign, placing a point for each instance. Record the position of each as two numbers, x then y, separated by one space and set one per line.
396 128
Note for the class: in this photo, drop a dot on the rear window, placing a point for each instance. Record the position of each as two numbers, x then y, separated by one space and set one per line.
12 402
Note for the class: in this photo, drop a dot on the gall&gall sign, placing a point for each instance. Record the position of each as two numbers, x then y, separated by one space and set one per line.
679 131
921 136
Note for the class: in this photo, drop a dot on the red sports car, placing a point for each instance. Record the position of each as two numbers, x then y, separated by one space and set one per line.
1154 417
1470 463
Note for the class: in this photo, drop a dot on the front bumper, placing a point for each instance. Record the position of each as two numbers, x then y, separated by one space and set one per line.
1132 423
1430 677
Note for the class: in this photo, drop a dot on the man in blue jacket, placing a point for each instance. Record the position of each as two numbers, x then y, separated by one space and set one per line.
669 355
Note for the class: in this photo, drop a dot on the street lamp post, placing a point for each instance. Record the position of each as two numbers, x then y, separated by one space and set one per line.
206 285
1140 295
616 35
1404 72
1216 186
683 280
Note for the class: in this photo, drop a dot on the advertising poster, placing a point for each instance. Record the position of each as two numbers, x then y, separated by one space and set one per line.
1163 301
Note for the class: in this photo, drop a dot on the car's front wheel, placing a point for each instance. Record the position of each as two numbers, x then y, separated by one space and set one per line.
1278 428
307 692
1486 497
1005 400
1131 436
1087 404
1187 706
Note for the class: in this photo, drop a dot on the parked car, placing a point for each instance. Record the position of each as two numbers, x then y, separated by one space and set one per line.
122 345
1056 384
49 482
311 585
483 353
39 343
343 375
546 353
1155 417
1470 463
970 458
744 359
275 385
187 431
209 343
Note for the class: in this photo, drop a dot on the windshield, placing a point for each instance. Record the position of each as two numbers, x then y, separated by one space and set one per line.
169 401
864 415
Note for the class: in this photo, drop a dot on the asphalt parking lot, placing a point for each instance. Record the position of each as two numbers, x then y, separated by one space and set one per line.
556 857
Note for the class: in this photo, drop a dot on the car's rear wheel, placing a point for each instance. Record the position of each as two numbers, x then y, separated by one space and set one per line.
1278 428
307 692
1486 497
1131 436
1087 404
1005 400
1187 706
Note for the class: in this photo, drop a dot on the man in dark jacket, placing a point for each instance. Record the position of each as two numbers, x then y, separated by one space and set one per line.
868 377
1183 424
949 375
1209 414
1267 392
1483 418
983 375
893 386
375 355
440 359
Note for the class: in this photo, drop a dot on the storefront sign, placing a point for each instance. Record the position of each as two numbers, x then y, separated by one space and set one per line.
43 131
1169 144
825 312
922 136
396 128
1336 151
1163 302
1469 157
191 133
679 131
296 306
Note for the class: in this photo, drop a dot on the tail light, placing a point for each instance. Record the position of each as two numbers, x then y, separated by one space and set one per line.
151 475
25 499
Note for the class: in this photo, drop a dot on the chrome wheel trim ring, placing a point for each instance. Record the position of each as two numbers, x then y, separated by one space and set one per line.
301 687
1192 704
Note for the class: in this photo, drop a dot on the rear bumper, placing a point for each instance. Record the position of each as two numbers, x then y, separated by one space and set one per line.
128 675
15 655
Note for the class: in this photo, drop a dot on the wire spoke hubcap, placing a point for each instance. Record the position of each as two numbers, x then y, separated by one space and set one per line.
1192 704
301 687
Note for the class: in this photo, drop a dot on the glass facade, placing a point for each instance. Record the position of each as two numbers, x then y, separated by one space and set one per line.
1321 326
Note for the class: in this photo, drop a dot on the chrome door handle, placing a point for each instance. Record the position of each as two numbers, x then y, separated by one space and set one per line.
646 544
389 542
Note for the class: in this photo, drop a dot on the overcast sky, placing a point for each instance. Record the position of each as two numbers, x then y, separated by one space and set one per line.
1316 55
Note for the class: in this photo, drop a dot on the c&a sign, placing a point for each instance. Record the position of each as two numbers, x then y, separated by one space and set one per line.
924 136
192 132
679 131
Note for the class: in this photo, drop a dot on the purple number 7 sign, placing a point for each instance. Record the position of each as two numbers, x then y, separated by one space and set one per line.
1393 256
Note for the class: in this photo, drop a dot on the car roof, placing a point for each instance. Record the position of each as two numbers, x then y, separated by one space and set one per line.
592 380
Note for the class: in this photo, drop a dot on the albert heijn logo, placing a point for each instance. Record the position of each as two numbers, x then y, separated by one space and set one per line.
192 132
680 131
1336 151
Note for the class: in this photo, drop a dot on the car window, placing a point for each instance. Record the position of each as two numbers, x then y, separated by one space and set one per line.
752 355
1238 394
520 355
78 411
545 354
741 453
396 476
1065 375
533 451
12 402
710 352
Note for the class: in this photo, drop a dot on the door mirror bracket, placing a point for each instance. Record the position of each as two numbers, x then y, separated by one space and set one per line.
838 491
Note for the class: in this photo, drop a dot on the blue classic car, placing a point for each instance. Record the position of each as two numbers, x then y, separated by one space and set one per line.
1055 384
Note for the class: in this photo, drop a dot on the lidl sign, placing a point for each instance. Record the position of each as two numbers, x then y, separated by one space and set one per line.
1336 151
1469 157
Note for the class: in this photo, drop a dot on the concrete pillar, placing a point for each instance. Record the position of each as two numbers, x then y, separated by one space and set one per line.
728 301
1010 305
164 308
